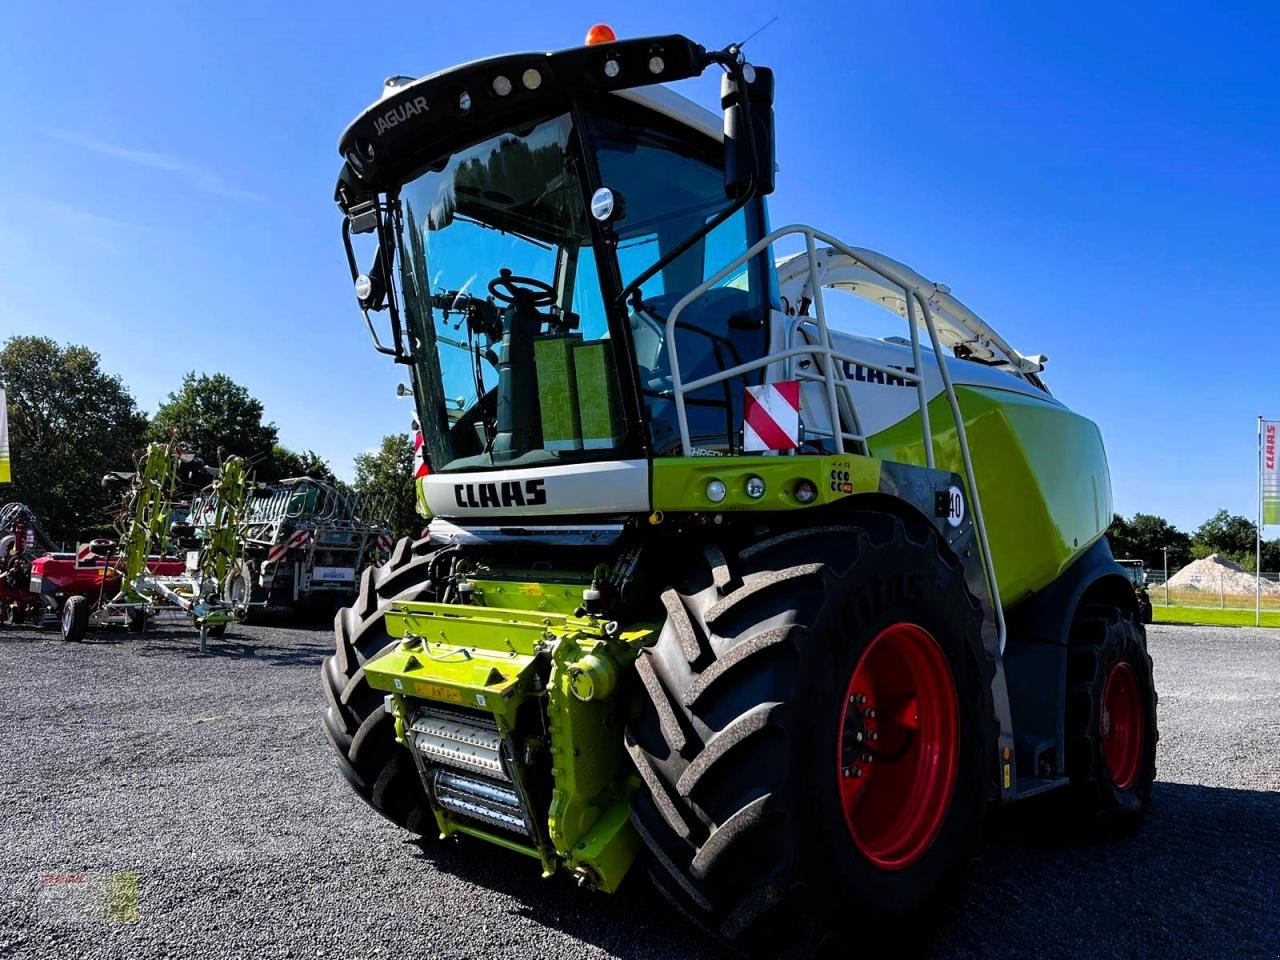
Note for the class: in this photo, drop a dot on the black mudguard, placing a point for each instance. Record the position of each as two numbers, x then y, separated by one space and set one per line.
1035 656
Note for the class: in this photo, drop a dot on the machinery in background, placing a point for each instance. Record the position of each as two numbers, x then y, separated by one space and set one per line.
22 540
1137 572
306 542
175 554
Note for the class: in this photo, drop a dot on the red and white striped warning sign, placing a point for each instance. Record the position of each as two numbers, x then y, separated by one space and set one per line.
85 557
381 549
299 539
420 468
771 417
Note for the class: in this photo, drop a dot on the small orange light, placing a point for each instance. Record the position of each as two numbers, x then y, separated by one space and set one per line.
600 33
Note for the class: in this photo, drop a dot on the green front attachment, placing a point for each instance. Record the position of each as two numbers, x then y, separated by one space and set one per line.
556 686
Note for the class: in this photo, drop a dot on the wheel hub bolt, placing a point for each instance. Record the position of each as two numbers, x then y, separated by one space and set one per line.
871 714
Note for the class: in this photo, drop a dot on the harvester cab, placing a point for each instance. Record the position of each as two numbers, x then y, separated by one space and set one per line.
707 581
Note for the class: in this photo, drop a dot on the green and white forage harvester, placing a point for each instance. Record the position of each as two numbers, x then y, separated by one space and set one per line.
778 610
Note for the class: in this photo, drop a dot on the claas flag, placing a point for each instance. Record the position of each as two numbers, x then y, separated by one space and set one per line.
5 476
1270 472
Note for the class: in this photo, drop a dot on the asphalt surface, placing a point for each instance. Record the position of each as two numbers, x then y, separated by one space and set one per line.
209 779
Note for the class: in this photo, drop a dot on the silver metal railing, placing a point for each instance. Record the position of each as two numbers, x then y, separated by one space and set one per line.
831 362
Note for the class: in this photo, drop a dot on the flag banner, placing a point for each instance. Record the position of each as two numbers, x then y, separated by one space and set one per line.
5 475
1270 472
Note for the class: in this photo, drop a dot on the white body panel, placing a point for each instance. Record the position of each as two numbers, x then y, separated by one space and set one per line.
618 486
881 404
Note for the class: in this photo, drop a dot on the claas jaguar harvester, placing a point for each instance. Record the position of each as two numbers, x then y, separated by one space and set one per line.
775 611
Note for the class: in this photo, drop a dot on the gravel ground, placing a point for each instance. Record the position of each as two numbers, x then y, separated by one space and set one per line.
209 778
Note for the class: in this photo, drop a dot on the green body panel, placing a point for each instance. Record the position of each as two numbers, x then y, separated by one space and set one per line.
680 483
1042 475
494 660
550 592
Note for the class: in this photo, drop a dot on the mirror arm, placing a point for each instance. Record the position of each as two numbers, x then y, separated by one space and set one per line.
396 350
386 244
355 272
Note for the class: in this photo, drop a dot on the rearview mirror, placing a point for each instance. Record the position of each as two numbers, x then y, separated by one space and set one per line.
746 126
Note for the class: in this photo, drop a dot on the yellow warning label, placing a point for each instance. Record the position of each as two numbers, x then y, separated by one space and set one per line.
434 692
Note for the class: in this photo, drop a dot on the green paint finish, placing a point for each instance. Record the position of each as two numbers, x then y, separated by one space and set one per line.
680 483
480 833
1042 473
589 764
465 656
599 406
558 392
608 849
420 498
494 659
560 598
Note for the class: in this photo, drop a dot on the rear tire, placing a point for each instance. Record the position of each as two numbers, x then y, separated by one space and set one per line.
75 619
19 614
745 739
1111 719
362 733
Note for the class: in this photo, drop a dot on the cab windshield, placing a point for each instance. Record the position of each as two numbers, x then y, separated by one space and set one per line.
509 306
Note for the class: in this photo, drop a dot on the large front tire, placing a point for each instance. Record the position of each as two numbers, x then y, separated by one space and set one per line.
766 672
361 731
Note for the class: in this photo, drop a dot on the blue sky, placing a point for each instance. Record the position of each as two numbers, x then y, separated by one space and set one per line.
1099 181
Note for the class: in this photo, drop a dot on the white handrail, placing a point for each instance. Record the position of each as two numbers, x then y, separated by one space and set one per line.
829 357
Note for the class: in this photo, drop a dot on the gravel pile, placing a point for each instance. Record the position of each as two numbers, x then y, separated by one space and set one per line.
209 779
1218 574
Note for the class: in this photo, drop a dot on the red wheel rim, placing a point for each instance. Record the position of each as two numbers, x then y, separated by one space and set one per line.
897 746
1123 726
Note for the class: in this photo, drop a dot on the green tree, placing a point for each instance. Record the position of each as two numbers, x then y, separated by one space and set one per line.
385 480
296 463
216 417
1145 538
1270 556
1228 534
69 423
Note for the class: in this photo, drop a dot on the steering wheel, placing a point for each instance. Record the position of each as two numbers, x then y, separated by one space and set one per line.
532 292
